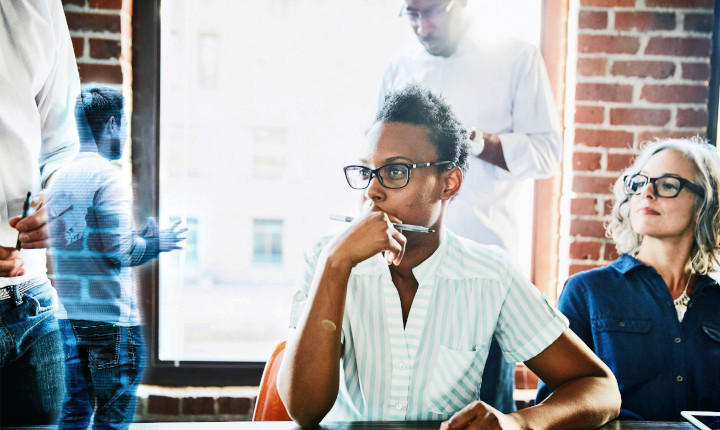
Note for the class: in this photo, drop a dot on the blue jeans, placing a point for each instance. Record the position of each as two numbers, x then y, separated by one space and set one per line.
104 364
31 358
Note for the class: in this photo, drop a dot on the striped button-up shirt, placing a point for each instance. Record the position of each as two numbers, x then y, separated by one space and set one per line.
431 368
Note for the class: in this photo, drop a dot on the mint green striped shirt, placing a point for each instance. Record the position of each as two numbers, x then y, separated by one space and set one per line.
433 367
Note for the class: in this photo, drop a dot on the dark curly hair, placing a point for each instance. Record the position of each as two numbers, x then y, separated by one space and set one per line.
96 105
415 104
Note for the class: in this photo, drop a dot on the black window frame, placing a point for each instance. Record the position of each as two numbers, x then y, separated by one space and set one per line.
145 161
714 84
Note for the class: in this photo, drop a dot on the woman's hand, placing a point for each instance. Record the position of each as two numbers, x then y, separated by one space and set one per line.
370 233
480 415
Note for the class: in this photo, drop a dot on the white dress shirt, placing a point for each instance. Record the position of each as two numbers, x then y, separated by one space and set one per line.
467 294
39 83
501 89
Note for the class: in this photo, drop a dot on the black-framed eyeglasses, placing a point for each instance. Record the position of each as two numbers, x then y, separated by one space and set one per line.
667 186
433 13
395 175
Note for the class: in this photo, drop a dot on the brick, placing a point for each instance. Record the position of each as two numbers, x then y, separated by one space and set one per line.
583 206
95 22
586 161
589 114
234 405
101 73
608 3
163 405
696 71
577 268
581 250
692 117
589 43
592 19
525 379
70 288
639 116
699 22
610 252
591 66
198 406
105 289
686 4
674 93
80 3
106 4
678 46
78 46
607 207
592 184
604 138
104 48
644 21
644 69
651 136
619 162
604 92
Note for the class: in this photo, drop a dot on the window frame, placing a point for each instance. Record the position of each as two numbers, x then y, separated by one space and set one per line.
145 163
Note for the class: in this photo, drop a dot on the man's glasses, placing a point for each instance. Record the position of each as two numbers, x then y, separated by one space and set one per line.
430 14
396 175
664 186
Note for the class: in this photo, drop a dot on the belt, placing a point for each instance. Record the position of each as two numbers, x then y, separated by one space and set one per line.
22 288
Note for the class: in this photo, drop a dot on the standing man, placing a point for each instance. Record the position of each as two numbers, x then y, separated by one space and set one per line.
38 84
502 92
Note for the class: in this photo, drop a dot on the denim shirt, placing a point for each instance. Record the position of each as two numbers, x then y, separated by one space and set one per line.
624 312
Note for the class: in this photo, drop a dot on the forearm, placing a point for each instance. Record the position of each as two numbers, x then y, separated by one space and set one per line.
493 152
586 402
309 375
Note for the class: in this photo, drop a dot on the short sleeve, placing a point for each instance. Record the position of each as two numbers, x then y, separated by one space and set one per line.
304 280
527 324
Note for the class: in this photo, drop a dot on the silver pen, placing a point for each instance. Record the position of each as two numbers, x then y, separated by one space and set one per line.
406 227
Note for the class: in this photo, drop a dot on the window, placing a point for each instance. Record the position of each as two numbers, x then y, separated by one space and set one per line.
267 241
243 133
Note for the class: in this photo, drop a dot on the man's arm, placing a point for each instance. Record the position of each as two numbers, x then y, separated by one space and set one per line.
585 393
308 379
534 147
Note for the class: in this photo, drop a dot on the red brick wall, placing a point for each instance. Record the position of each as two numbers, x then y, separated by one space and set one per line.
642 72
101 35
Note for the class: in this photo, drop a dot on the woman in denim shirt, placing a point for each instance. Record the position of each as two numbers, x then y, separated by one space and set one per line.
653 315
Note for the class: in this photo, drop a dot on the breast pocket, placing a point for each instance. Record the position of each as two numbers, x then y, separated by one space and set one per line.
455 380
711 334
626 346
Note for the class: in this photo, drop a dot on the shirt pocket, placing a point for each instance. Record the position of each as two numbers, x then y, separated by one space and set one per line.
454 381
710 349
626 346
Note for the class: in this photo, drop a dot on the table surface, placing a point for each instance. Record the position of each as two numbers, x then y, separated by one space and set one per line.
370 425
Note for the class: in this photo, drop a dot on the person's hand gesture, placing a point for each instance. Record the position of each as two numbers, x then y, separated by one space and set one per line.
370 233
33 228
168 238
480 415
10 262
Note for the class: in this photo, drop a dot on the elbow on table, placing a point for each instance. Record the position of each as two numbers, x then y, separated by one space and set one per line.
302 408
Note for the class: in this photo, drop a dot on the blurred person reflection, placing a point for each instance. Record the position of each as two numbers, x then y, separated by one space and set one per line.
502 91
652 314
94 248
38 84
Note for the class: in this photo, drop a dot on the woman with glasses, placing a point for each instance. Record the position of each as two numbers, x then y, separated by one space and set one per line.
653 315
395 323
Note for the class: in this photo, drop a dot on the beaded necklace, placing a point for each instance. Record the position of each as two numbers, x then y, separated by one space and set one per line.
682 301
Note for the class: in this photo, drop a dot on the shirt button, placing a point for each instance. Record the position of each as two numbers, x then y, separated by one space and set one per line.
678 340
679 378
299 296
399 406
622 324
402 365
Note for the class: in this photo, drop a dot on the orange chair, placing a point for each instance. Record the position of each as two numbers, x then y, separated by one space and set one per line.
268 406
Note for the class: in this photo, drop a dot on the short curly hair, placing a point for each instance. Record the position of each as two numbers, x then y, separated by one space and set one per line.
705 253
415 104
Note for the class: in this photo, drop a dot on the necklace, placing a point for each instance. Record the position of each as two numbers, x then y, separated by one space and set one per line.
682 301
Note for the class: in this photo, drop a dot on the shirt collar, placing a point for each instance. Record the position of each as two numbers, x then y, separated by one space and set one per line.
626 263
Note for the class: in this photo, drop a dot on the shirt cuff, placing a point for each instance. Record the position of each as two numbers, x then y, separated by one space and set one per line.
546 335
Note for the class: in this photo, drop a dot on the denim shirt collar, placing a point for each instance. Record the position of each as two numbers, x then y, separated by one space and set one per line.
625 263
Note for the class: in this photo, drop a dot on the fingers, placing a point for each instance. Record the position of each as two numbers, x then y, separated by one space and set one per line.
397 247
33 229
477 414
10 262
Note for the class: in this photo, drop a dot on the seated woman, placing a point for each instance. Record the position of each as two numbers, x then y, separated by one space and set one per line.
653 315
395 324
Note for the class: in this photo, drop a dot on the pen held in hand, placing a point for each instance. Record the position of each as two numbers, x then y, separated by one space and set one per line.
25 212
406 227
